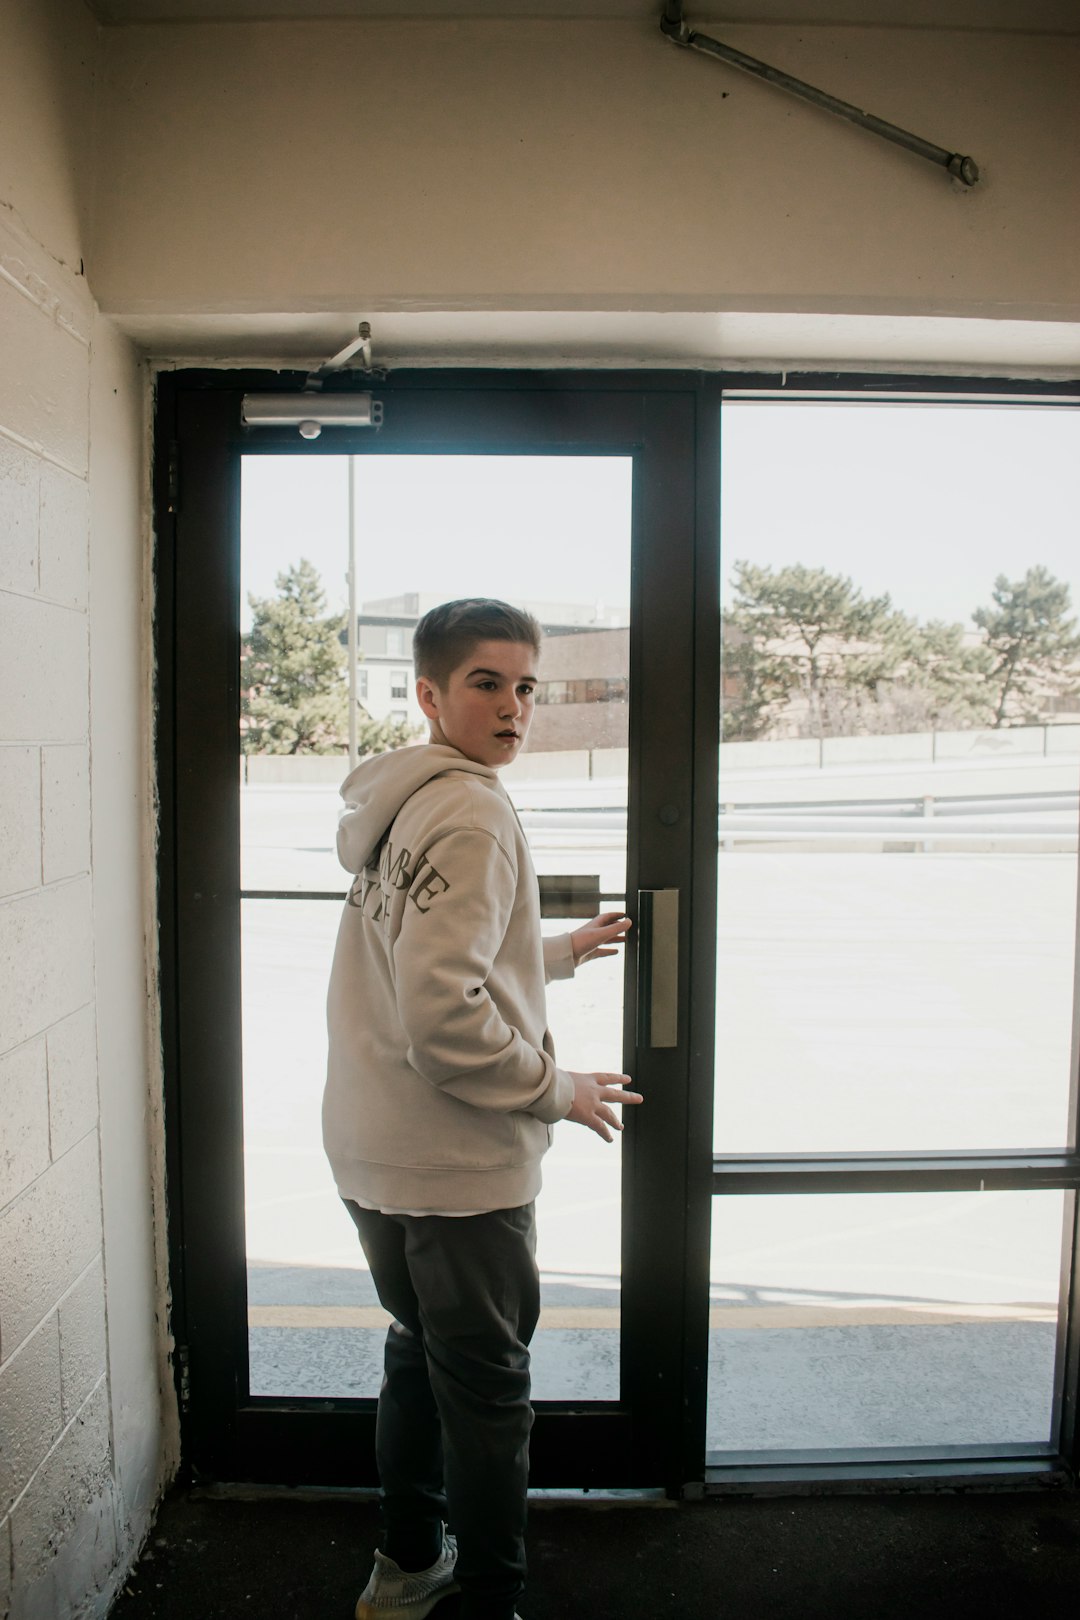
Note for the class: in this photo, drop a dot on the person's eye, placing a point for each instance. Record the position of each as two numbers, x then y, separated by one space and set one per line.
527 691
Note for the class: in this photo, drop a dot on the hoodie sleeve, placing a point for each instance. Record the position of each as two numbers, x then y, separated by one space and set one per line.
452 927
558 957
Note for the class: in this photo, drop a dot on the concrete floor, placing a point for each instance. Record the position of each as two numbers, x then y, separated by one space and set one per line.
902 1556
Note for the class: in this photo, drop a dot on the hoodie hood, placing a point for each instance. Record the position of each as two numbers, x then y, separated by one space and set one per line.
376 790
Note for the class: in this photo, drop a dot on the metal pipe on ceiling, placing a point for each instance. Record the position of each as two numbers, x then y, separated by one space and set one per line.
674 27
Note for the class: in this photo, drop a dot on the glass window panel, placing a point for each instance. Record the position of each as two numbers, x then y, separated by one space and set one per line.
315 1326
429 528
883 1320
898 832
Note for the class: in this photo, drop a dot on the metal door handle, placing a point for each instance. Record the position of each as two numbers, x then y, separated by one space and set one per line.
658 967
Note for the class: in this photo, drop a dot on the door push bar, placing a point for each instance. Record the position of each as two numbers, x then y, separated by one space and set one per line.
658 967
675 27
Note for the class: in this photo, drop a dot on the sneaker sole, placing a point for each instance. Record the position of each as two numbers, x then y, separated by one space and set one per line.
406 1611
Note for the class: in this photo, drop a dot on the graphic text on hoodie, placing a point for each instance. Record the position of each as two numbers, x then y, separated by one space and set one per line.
395 870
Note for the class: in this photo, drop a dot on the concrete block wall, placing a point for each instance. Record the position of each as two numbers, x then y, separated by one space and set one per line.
74 1501
57 1491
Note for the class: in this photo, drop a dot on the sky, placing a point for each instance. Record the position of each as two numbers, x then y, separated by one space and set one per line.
928 503
541 528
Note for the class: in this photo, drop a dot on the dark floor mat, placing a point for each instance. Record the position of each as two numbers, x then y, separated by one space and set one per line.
893 1557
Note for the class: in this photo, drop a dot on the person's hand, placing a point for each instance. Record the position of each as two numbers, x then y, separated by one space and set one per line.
600 937
593 1097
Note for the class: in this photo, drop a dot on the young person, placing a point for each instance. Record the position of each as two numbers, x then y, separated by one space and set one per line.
441 1095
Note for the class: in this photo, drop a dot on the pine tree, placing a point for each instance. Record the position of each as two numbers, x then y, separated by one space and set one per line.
292 675
756 686
942 685
1033 645
802 633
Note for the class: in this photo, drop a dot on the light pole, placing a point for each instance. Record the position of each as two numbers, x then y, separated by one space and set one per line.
352 613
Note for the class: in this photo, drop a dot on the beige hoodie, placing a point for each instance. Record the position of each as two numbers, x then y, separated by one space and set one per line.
442 1085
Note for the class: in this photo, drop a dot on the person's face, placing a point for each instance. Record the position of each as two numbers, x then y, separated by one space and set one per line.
486 708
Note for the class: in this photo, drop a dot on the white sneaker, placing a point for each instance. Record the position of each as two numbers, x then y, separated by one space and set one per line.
398 1594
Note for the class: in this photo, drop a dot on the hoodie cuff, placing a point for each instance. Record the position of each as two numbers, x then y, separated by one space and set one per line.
556 1101
558 957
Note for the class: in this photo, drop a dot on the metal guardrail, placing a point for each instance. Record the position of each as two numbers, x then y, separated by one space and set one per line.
915 804
1049 821
922 822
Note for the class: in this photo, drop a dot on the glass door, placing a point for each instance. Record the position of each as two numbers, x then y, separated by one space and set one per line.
894 1223
551 534
291 577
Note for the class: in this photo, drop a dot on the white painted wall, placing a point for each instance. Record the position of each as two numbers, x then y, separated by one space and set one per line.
84 1451
535 165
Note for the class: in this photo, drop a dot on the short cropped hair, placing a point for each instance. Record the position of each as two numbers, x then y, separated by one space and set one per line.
443 637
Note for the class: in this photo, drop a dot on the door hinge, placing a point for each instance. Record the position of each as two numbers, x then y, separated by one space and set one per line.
183 1384
173 487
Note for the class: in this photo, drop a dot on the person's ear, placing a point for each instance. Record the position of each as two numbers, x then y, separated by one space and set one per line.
427 695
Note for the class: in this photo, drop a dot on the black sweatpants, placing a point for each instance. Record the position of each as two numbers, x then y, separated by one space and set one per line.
452 1434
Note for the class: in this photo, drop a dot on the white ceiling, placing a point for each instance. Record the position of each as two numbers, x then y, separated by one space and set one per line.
598 339
1029 16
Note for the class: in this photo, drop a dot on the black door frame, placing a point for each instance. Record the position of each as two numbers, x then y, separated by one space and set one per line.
653 1436
663 1442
